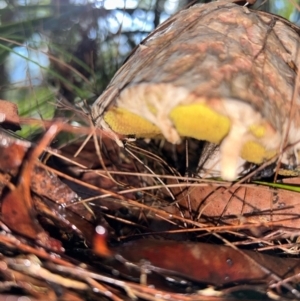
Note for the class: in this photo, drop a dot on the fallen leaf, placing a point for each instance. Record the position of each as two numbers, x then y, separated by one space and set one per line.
207 263
253 204
17 210
9 117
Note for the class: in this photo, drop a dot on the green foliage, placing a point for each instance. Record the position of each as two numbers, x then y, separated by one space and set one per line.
279 186
285 8
39 103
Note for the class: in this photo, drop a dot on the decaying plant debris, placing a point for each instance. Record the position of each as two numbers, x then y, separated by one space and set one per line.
147 233
93 221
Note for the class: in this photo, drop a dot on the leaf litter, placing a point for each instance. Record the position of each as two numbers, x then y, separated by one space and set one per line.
145 231
127 226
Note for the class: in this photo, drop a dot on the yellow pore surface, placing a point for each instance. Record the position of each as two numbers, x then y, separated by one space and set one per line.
195 121
200 122
126 123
